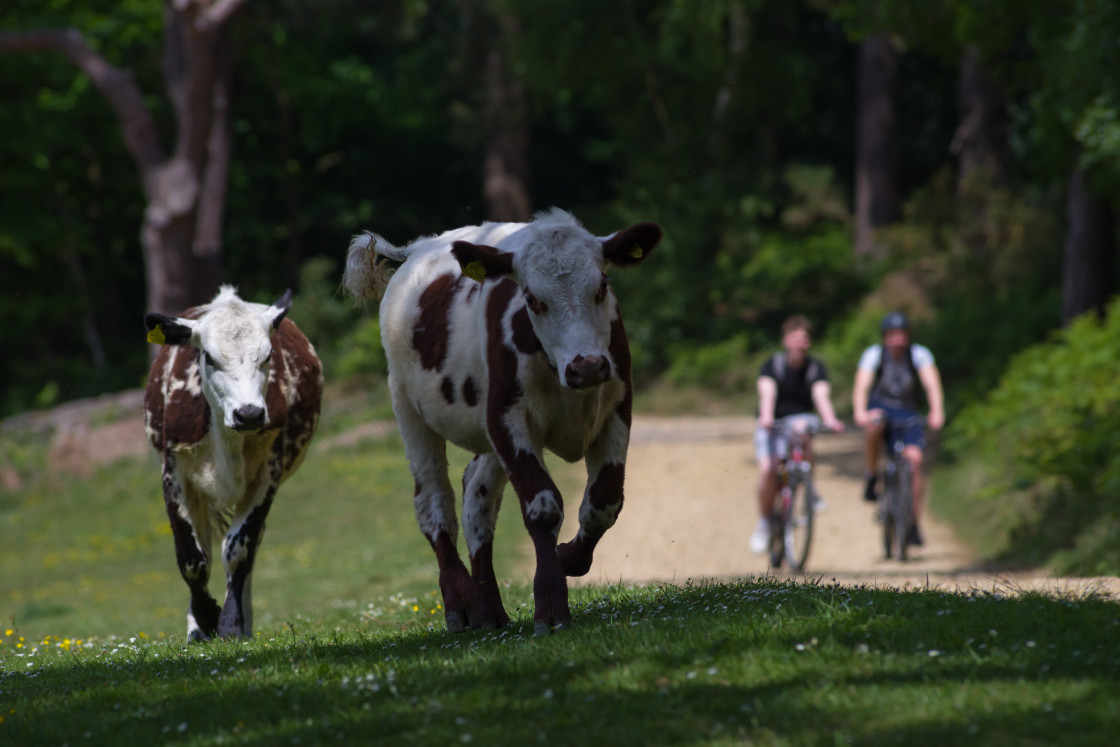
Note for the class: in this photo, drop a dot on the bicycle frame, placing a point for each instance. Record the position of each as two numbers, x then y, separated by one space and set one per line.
896 508
791 518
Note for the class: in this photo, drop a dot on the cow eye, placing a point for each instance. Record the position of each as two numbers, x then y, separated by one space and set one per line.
602 294
535 305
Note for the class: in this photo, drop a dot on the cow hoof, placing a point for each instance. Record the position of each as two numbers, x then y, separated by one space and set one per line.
456 622
197 636
541 628
575 560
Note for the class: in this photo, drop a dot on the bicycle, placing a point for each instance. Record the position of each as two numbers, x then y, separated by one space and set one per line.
791 518
896 509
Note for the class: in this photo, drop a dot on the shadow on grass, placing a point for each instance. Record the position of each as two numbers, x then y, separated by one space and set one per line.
770 661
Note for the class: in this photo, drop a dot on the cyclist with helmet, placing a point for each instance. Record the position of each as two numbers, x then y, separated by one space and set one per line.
886 388
791 383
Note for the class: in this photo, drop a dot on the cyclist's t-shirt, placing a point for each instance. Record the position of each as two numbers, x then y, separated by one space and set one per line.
897 386
795 385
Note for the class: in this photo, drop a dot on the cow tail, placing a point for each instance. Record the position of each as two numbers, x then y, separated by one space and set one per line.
367 266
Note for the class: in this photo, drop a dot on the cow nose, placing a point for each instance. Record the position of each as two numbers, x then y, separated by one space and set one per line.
587 370
248 418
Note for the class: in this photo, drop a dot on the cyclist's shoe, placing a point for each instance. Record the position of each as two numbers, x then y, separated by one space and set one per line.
869 493
914 536
760 539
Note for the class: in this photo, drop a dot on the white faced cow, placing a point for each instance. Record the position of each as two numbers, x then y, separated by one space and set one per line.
506 340
231 405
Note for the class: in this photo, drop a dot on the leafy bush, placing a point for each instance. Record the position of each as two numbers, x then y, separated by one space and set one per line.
348 343
1048 432
362 355
721 365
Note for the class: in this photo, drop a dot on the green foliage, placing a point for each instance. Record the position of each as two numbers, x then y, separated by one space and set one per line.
760 661
719 365
70 207
975 270
364 356
1049 429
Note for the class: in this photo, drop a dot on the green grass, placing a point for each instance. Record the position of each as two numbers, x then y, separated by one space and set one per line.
95 557
350 645
761 661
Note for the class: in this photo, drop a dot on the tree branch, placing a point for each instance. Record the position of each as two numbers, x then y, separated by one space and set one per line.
220 12
116 85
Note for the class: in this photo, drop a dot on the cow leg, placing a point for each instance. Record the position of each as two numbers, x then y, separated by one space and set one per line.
483 483
190 527
239 551
543 512
434 502
602 500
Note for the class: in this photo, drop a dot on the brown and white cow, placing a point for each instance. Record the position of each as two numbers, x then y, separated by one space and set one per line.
507 340
231 405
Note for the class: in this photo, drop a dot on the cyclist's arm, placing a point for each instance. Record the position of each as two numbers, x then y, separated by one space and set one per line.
767 400
861 390
822 398
930 377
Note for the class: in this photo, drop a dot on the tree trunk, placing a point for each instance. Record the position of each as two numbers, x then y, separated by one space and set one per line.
181 232
877 199
738 39
1089 261
506 122
981 137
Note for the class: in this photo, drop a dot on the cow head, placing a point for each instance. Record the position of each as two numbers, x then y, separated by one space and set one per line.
235 349
561 270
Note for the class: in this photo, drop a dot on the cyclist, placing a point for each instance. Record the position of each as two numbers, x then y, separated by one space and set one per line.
886 388
791 382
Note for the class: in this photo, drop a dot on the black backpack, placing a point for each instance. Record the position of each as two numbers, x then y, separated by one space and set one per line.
919 390
780 367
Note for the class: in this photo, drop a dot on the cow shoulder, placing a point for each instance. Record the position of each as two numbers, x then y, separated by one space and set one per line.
295 389
501 358
186 413
175 409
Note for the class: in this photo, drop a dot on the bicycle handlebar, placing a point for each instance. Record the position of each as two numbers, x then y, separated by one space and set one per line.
812 425
909 422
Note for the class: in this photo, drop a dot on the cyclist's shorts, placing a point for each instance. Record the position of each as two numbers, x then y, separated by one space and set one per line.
772 443
913 434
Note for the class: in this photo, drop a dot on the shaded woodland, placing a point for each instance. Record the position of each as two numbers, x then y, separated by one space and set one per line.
835 157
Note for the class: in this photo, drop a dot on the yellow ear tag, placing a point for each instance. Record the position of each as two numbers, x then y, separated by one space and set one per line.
636 252
156 335
475 271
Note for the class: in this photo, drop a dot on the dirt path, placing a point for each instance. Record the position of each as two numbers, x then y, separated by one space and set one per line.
690 509
690 505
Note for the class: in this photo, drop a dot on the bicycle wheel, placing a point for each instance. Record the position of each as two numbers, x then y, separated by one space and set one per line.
777 529
886 512
799 523
902 510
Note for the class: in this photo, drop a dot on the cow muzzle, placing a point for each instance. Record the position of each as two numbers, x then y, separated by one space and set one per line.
248 418
587 371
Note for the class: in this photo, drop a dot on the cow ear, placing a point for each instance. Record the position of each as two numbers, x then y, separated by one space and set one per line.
631 245
167 330
480 261
277 311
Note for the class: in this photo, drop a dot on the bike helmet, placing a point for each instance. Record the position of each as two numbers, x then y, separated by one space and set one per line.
893 320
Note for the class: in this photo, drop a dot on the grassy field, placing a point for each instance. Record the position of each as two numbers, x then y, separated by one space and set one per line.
759 662
95 557
350 645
